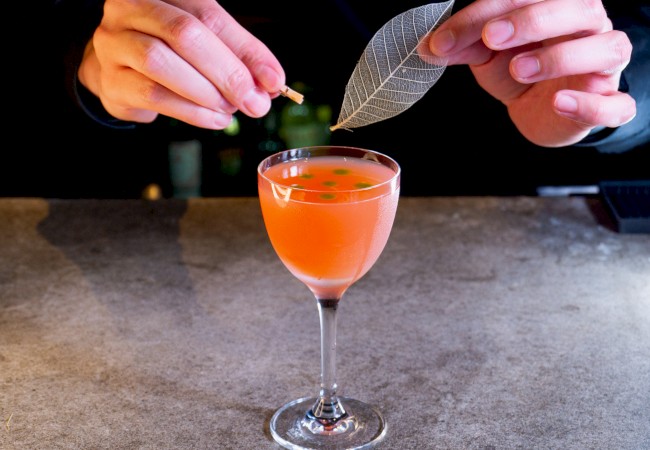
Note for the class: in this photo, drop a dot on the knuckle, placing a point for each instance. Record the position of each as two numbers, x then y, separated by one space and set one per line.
153 59
621 47
216 19
595 11
185 30
535 21
238 81
558 61
619 53
151 94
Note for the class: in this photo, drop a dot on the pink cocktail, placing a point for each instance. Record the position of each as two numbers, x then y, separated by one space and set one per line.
328 211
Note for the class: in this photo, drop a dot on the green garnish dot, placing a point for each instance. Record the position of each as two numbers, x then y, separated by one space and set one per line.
298 186
341 171
362 185
327 196
307 176
329 183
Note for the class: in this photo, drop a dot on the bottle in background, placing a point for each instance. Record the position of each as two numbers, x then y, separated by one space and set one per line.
185 154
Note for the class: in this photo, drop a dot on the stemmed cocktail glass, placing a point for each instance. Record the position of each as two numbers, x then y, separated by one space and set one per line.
328 211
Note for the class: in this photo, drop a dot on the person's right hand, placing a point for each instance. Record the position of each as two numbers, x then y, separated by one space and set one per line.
186 59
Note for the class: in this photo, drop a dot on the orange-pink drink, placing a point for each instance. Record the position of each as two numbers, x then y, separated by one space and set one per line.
329 217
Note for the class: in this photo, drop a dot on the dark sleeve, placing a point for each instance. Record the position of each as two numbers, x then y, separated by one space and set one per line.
634 19
79 19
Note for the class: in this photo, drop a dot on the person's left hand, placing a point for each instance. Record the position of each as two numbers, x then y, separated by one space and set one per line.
555 64
186 59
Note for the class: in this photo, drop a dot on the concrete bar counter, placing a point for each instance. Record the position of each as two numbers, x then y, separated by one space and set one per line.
487 323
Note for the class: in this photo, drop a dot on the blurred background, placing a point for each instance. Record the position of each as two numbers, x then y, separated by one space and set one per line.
455 141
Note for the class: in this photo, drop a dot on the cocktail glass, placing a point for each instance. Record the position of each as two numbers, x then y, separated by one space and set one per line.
328 211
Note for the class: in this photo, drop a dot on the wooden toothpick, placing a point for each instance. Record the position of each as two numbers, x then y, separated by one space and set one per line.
291 94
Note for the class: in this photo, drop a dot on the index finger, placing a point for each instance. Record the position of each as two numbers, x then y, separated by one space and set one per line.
199 46
464 28
253 53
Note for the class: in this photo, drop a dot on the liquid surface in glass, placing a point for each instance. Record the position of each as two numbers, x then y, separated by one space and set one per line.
328 218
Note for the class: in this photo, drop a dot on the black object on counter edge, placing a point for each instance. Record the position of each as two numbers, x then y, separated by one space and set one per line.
629 204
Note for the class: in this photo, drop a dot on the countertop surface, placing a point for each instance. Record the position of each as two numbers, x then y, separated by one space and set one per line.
487 323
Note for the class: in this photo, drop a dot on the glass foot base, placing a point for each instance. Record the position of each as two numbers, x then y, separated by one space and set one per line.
363 427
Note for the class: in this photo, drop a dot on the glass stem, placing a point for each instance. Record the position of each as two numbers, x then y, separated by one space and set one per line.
327 410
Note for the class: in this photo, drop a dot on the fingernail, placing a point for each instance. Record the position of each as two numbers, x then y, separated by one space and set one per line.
526 66
442 42
222 120
566 105
626 121
257 102
498 32
269 78
226 107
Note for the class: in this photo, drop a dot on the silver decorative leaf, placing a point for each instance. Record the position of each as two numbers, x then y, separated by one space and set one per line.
396 69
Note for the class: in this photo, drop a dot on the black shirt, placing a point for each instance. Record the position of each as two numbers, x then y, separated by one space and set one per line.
457 140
